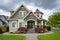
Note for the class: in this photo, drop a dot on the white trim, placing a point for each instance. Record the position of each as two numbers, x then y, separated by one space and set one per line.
26 15
42 23
31 19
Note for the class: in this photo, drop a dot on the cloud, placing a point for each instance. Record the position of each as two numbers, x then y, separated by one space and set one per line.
4 2
47 12
9 4
46 6
3 12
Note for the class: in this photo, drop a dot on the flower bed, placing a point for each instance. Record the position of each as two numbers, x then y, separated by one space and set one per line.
21 30
39 29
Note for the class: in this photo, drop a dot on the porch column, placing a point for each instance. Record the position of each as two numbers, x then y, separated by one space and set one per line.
35 23
45 23
26 24
42 23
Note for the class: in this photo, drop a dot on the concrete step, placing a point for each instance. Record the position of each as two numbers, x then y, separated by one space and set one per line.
31 31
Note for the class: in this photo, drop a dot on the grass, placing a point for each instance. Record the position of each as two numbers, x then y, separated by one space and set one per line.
12 37
54 36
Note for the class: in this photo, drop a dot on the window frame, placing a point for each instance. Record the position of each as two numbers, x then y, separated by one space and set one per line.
13 24
22 14
20 24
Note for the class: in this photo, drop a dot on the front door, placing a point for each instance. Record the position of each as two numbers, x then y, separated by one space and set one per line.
30 24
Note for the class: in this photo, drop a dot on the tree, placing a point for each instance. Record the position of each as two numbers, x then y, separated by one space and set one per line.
54 19
4 28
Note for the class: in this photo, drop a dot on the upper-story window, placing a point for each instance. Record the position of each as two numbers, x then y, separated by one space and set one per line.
22 13
38 15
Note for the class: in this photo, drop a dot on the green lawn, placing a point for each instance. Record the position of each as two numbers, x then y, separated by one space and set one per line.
12 37
54 36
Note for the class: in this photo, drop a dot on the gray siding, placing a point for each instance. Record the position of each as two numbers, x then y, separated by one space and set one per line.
16 16
30 17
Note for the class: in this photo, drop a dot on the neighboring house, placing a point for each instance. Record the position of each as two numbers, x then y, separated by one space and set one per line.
3 20
23 17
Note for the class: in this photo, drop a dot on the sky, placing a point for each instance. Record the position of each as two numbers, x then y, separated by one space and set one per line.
45 6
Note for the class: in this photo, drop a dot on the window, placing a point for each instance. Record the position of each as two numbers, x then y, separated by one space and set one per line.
13 24
41 16
22 13
38 15
20 24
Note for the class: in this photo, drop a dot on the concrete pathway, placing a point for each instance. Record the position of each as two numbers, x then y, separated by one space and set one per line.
31 36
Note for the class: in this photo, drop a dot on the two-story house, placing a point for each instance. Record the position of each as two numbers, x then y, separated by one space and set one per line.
24 17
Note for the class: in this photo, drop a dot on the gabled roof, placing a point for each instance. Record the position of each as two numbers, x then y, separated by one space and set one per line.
22 6
31 13
38 11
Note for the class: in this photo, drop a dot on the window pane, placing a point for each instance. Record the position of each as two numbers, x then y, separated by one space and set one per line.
20 24
13 24
20 14
24 13
38 15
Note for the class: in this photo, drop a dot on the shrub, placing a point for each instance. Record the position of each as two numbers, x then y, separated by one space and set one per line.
12 32
20 30
45 30
48 28
4 28
0 30
39 29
